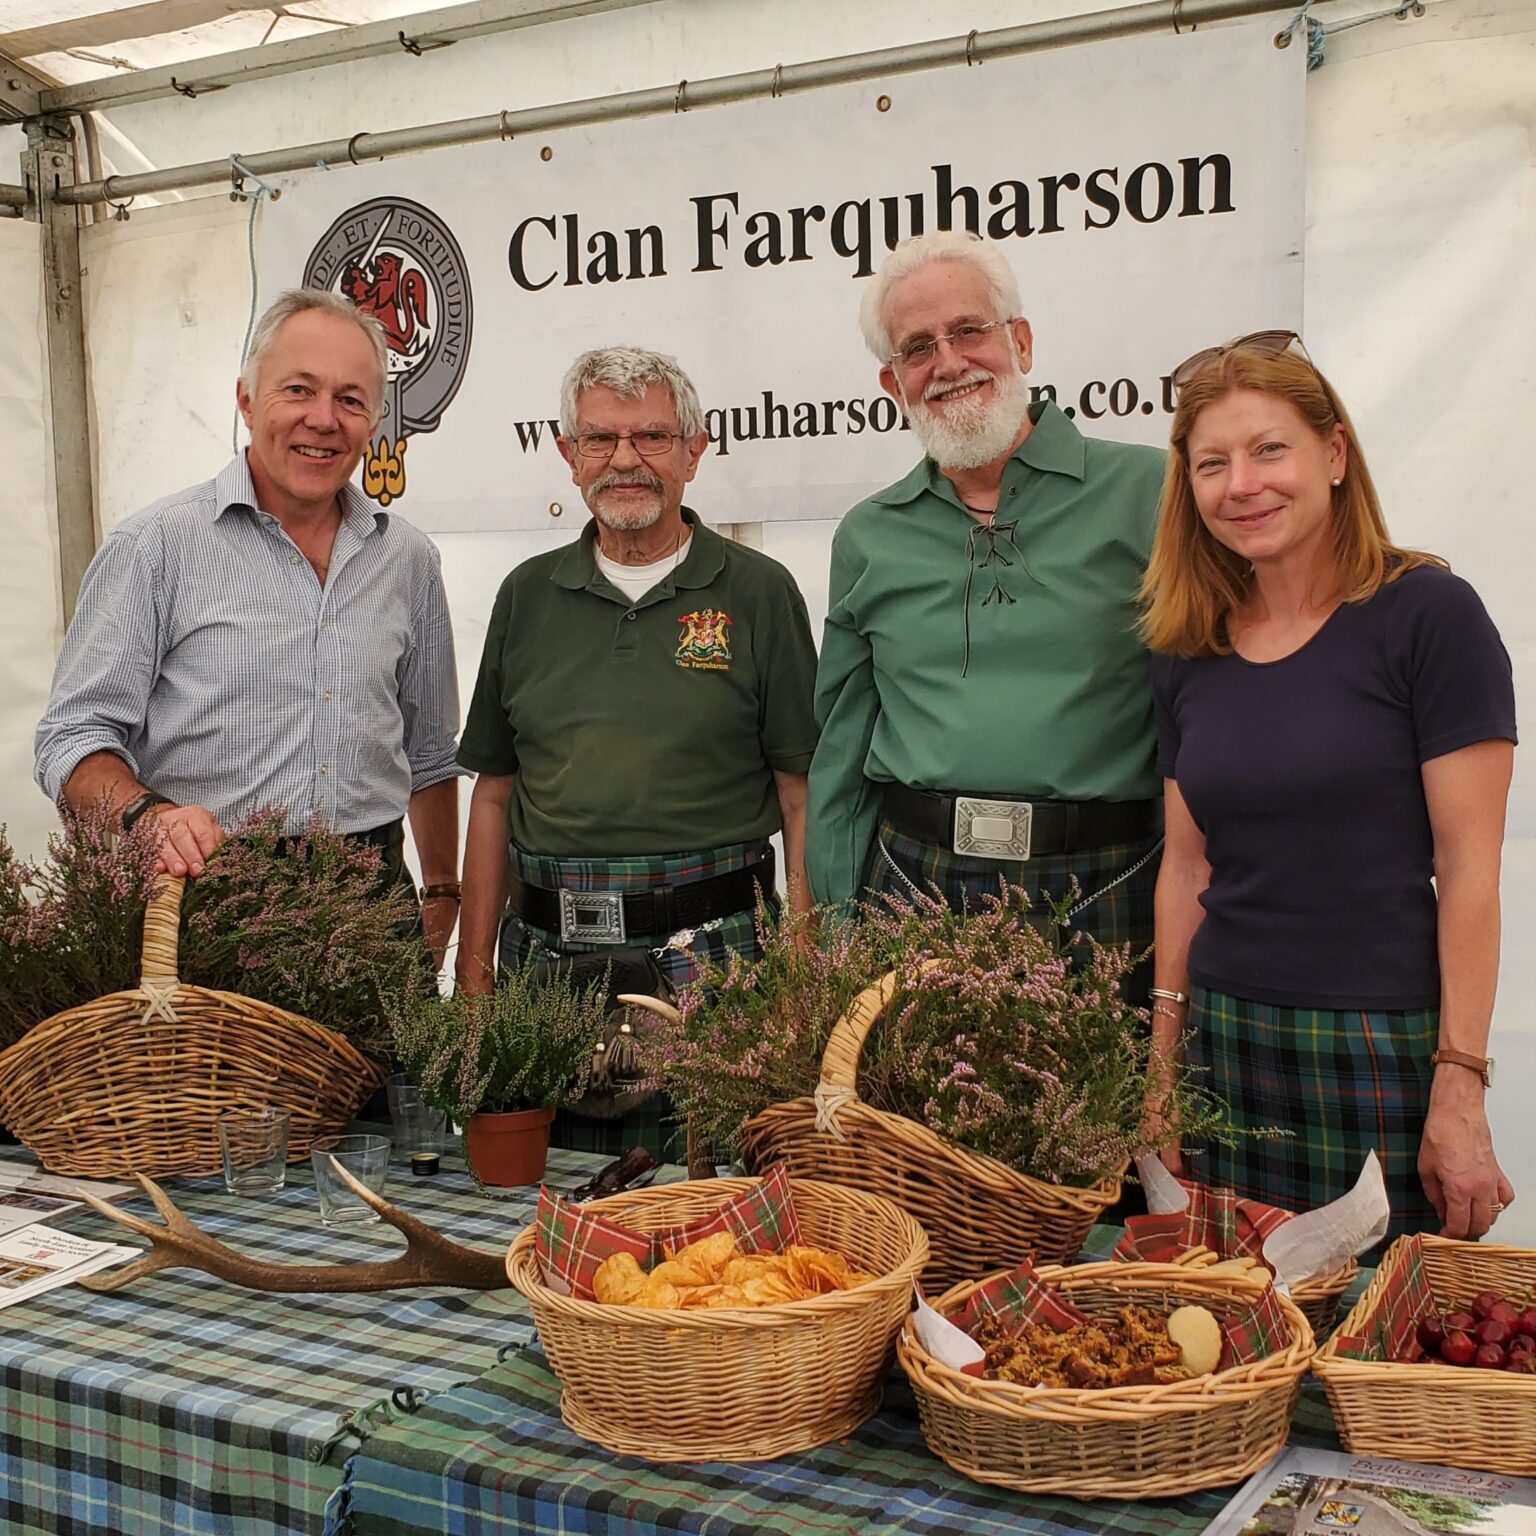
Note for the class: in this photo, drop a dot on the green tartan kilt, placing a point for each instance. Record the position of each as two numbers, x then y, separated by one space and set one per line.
654 1125
1121 915
1339 1081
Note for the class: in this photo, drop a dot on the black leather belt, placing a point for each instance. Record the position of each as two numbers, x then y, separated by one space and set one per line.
599 917
1054 826
390 835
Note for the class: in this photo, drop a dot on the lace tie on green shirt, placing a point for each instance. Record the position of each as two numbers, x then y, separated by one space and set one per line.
995 556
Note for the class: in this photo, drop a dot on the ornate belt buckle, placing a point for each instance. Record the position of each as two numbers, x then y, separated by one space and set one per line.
992 829
592 917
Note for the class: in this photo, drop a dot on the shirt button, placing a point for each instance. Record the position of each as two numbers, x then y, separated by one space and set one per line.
294 559
327 693
1013 490
324 768
629 616
325 623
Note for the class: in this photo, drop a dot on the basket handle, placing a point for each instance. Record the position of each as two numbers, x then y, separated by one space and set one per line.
162 931
840 1060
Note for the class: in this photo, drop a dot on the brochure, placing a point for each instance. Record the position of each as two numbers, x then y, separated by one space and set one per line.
36 1259
1327 1493
28 1195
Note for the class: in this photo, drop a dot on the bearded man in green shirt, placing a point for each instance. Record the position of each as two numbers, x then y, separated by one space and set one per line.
984 701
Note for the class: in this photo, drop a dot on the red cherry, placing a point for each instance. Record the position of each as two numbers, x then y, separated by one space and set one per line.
1484 1303
1506 1312
1527 1323
1460 1321
1522 1362
1490 1358
1431 1332
1521 1344
1458 1349
1494 1332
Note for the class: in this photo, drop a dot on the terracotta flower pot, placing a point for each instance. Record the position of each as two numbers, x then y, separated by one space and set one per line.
511 1148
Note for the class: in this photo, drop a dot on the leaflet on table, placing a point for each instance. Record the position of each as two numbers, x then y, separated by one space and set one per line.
1322 1493
36 1259
27 1194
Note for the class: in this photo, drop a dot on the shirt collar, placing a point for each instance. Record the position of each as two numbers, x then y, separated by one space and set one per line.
577 568
1054 446
233 487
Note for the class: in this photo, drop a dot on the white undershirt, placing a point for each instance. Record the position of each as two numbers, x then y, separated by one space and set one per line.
634 581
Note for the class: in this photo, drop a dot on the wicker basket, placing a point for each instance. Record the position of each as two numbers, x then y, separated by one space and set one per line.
731 1385
135 1081
1459 1417
979 1214
1318 1297
1116 1442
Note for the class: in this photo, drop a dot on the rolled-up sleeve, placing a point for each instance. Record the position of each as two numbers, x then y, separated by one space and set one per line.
108 665
429 687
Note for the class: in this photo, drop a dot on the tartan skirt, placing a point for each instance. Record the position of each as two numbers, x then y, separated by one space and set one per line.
654 1125
1122 914
1340 1081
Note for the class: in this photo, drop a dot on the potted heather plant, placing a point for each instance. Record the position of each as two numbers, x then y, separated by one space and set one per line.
501 1064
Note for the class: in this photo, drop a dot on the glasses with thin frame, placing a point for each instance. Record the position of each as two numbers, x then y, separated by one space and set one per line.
1266 343
964 338
649 444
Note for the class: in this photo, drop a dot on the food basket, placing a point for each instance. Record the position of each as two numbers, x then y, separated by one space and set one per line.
134 1082
1427 1411
1115 1442
979 1214
730 1385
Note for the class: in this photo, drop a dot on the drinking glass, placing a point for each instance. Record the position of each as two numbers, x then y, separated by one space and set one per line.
415 1125
254 1146
366 1158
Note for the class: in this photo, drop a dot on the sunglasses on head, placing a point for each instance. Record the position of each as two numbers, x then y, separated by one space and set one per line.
1265 343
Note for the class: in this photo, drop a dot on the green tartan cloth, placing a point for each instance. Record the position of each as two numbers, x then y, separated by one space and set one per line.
492 1458
1339 1082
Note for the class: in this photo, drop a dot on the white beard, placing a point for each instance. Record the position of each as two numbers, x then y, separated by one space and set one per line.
626 519
972 432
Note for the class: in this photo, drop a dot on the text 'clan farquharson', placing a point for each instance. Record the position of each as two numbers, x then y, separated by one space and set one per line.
560 248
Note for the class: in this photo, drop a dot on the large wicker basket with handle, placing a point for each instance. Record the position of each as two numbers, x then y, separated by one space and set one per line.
134 1082
979 1214
729 1384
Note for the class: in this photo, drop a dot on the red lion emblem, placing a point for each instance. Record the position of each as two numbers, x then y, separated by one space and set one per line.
396 299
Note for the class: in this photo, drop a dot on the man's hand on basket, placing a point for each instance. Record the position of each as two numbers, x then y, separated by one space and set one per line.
189 834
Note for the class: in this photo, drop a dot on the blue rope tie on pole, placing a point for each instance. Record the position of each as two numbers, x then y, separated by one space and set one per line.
1318 34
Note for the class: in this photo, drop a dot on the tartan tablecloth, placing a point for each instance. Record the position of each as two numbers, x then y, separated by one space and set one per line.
186 1405
492 1458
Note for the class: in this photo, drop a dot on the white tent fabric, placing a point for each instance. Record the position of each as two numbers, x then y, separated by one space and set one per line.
1420 304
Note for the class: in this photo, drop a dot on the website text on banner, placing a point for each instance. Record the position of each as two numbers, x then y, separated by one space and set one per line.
1148 191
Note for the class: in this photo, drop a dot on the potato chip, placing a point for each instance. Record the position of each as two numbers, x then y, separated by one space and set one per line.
619 1279
746 1267
675 1272
709 1256
658 1294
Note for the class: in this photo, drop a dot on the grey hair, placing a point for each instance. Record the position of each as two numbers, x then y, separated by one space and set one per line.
629 372
298 301
919 251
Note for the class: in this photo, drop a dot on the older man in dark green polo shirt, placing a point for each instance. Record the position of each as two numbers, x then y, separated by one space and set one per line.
984 701
642 723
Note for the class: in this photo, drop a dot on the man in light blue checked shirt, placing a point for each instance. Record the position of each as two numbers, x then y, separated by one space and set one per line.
269 638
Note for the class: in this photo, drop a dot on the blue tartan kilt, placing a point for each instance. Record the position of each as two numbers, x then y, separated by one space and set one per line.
1338 1082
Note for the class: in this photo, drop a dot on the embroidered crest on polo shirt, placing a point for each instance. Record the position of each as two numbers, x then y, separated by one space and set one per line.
706 643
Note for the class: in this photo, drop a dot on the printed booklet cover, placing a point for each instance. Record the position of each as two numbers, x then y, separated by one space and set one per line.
1334 1493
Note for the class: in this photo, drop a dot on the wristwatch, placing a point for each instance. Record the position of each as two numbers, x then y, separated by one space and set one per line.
139 804
1482 1065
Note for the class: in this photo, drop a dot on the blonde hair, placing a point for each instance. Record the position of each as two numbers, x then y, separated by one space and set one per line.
1193 584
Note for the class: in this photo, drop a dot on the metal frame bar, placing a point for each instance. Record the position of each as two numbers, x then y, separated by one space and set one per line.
420 33
49 166
973 48
21 91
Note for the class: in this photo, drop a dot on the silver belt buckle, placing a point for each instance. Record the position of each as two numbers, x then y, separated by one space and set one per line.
992 829
592 917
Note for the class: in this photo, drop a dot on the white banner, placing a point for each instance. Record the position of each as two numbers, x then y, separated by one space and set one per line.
1148 192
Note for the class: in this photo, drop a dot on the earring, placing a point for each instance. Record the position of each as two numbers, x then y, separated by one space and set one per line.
1337 483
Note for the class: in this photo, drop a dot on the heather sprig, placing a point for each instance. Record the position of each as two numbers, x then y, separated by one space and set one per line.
527 1045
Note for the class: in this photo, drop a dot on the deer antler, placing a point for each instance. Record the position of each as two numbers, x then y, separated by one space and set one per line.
429 1257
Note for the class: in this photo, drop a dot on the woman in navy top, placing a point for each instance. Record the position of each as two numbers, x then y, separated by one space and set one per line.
1335 731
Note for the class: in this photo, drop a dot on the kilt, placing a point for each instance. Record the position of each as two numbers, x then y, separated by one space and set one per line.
1122 915
654 1125
1341 1081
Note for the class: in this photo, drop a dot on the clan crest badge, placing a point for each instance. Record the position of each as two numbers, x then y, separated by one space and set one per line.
399 262
705 642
